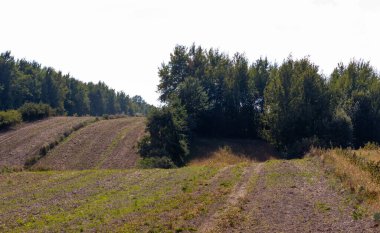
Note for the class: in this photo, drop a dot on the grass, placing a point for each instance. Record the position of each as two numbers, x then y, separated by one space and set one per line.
225 152
354 179
322 207
149 200
285 178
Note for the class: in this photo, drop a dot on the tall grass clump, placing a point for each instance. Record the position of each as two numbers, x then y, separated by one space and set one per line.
9 118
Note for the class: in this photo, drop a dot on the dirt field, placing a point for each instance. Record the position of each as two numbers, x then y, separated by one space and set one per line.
104 144
272 196
23 143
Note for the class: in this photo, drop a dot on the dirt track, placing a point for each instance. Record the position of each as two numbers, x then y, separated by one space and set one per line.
23 143
104 144
287 196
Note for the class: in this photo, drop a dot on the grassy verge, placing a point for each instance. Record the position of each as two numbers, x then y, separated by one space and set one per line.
356 175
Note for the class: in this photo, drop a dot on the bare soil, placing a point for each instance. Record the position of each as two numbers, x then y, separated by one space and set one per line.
24 142
104 144
295 196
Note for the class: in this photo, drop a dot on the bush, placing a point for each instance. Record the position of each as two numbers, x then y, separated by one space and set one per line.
167 137
9 118
340 130
156 162
33 111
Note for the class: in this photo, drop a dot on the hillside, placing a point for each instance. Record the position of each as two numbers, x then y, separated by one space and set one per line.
23 143
272 196
230 185
103 144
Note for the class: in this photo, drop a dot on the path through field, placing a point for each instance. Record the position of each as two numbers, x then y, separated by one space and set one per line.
288 196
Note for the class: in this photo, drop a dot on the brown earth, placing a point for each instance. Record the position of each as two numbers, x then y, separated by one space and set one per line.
24 142
289 196
104 144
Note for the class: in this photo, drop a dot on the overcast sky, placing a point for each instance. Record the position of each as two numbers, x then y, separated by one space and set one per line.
123 42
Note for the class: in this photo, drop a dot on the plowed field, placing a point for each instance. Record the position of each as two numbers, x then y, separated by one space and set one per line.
23 143
104 144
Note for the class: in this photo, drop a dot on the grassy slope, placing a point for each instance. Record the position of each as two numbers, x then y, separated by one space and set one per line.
357 180
226 189
121 200
275 196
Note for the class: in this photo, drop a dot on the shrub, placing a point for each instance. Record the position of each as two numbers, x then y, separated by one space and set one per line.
9 118
156 162
33 111
376 217
340 129
168 137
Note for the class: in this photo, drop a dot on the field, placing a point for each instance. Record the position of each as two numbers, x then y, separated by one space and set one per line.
103 144
230 185
272 196
19 145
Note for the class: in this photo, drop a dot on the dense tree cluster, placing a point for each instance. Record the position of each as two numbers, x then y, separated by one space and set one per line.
22 81
291 105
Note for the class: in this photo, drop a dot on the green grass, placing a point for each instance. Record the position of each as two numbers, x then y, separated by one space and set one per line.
133 200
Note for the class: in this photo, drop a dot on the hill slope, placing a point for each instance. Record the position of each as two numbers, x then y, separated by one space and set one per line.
274 196
23 143
104 144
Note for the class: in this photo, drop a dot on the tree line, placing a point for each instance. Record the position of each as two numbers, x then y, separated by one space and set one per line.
22 81
292 105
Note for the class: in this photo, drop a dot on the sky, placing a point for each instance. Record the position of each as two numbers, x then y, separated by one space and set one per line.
124 42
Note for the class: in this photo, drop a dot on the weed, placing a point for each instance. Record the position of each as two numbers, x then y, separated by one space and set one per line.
359 212
322 207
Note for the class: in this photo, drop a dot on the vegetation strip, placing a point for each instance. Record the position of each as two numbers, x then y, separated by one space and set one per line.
46 148
365 164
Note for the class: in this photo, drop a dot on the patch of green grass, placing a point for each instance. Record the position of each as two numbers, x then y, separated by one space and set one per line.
100 200
359 212
322 207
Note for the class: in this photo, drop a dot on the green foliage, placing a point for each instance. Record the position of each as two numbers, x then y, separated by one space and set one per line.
9 118
356 89
291 105
340 129
27 82
32 111
156 162
296 105
376 217
168 135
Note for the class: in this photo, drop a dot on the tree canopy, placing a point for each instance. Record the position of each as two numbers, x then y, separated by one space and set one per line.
292 105
22 82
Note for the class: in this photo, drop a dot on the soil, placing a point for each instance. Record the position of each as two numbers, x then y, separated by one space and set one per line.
24 142
104 144
289 196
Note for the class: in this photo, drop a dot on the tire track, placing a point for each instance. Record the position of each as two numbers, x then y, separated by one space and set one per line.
235 199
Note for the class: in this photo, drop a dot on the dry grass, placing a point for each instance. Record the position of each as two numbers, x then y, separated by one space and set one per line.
373 155
353 177
224 152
